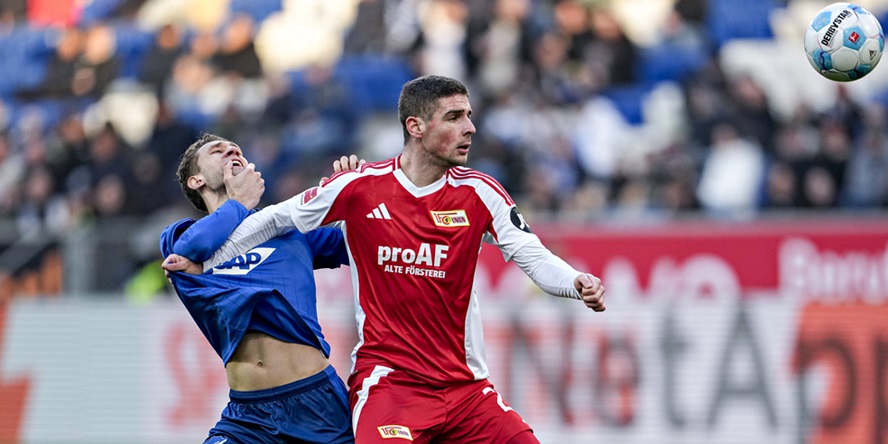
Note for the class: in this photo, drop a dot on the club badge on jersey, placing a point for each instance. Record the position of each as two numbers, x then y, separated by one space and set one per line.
452 218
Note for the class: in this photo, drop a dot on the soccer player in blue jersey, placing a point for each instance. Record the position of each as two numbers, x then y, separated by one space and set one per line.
258 311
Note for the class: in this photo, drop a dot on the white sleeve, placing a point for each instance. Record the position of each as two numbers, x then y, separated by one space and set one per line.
549 272
304 212
256 229
511 234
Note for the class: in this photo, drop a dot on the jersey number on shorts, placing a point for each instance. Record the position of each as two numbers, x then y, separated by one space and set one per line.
499 399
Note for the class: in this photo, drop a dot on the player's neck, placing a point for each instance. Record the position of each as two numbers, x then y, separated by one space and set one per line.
420 171
213 201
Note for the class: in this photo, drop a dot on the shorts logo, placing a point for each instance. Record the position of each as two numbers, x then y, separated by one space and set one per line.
453 218
395 431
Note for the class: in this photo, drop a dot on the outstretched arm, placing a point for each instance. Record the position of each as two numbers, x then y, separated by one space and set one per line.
557 277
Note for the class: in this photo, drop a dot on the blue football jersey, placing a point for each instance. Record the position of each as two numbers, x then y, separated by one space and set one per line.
270 289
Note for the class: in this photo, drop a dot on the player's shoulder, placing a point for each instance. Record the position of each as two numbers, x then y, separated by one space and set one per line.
482 182
171 233
369 169
466 173
469 176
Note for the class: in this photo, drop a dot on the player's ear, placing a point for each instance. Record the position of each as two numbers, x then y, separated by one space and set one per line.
415 126
195 182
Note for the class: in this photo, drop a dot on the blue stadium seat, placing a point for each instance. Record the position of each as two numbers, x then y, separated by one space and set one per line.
132 44
27 41
258 9
628 100
97 10
373 81
736 19
23 57
669 62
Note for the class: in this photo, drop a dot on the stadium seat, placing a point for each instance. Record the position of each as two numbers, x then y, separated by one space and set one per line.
97 10
733 19
669 62
23 56
132 44
258 9
628 100
373 81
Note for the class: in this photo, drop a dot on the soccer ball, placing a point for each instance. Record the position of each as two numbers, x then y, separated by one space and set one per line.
844 42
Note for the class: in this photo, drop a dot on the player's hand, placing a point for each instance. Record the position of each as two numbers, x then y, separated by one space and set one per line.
591 291
246 187
345 163
174 262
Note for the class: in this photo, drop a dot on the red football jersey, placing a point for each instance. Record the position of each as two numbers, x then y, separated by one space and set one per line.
413 255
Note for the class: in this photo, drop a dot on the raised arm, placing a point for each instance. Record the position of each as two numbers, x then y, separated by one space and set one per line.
244 190
207 235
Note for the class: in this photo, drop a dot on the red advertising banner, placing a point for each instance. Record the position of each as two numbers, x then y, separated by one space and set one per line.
819 257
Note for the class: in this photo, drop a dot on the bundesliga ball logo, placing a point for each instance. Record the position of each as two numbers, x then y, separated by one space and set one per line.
844 42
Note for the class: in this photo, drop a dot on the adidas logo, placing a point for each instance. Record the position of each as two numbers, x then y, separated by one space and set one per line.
379 212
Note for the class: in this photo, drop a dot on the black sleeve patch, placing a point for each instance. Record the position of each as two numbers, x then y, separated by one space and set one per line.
518 220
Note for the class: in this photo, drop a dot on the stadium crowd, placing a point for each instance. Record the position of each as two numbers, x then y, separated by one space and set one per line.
97 102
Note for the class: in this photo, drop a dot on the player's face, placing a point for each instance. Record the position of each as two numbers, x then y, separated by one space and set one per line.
212 158
448 134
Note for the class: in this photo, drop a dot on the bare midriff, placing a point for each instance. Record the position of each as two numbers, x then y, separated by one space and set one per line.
262 362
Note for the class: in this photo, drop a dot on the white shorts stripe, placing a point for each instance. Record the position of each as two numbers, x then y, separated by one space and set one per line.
378 373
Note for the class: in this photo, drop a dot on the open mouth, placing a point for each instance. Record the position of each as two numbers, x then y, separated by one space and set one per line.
236 166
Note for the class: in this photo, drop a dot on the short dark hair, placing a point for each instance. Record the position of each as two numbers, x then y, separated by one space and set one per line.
188 168
419 97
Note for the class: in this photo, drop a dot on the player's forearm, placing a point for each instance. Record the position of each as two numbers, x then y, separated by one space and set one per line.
255 230
549 272
208 234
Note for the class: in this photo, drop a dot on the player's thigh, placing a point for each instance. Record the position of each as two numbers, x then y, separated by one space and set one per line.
391 406
482 416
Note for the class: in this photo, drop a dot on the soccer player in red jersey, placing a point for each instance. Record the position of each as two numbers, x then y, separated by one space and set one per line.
414 226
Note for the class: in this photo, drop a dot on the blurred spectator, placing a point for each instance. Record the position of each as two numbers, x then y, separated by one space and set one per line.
146 192
752 112
732 172
443 24
98 65
109 196
168 138
819 189
108 156
368 32
13 11
867 184
611 54
499 48
59 79
157 64
236 54
41 209
12 168
782 187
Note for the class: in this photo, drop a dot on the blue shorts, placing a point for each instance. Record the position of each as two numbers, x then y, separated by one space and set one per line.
311 410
